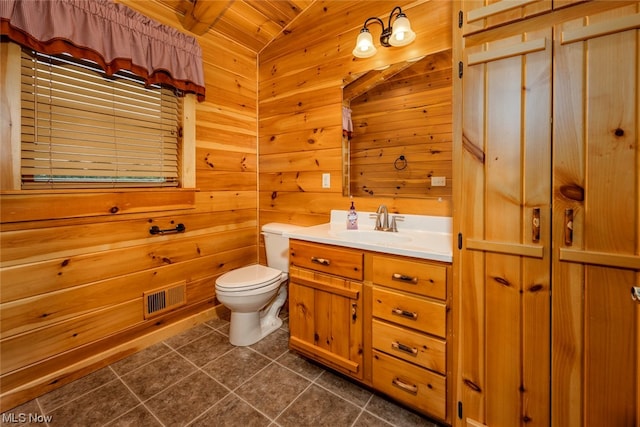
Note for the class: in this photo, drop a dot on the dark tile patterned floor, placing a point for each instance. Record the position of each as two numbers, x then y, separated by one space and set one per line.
198 379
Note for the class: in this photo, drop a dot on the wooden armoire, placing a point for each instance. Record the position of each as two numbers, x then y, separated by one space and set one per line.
548 213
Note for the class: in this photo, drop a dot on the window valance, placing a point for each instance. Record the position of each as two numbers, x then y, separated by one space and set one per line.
110 34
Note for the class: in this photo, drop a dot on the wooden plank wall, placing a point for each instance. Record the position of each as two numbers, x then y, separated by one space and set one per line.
301 76
72 272
402 133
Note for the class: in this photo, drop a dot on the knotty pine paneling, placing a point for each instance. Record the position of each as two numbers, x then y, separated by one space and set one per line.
40 278
45 311
49 205
72 274
25 349
301 76
318 45
40 244
299 141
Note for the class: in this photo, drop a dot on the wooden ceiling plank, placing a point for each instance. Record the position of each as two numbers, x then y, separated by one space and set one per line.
248 18
249 37
281 12
203 15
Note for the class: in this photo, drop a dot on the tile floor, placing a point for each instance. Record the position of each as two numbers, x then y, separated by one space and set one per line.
198 379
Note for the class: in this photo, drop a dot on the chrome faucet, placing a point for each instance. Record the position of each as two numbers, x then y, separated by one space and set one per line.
382 223
382 219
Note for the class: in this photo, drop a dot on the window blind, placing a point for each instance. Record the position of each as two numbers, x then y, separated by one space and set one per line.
82 129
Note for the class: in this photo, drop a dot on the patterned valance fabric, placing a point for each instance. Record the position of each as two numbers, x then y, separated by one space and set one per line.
110 34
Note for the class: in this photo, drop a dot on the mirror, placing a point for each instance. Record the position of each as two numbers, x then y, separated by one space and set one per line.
401 139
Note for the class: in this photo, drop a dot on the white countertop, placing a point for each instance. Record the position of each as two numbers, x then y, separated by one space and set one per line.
419 236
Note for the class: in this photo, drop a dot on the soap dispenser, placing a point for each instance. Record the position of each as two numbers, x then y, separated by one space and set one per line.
352 217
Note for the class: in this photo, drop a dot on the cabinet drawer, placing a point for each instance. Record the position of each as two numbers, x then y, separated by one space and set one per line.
417 313
327 259
417 387
411 276
410 345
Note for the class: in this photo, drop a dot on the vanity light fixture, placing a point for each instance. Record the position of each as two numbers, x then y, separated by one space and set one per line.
400 34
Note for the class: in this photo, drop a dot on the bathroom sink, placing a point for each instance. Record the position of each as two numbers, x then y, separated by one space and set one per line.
419 236
373 237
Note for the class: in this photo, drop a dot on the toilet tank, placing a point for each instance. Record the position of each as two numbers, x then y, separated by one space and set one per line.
276 245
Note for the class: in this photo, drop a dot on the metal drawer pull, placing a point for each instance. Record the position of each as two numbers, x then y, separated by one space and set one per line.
403 278
635 293
405 348
321 261
408 314
410 388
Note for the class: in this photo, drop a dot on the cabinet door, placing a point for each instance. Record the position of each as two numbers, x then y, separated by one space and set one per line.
326 319
596 353
504 295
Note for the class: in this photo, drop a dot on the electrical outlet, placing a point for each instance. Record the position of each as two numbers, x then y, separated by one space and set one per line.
438 181
326 180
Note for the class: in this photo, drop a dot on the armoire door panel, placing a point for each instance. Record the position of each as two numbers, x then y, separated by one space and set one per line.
602 28
483 14
595 347
503 338
505 312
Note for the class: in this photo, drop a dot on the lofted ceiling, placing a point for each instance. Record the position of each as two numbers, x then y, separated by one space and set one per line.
251 23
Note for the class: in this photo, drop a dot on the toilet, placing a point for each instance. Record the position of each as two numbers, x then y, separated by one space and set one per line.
255 294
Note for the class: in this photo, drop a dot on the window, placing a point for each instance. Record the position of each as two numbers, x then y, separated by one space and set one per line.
82 129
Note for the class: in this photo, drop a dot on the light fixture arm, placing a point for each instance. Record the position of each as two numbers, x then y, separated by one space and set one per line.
386 31
391 14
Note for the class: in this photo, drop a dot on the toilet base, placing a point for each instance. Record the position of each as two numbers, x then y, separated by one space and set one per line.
249 328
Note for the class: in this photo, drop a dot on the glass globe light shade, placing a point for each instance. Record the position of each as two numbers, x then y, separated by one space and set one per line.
364 45
402 33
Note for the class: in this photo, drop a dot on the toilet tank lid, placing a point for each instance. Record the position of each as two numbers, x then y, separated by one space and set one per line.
279 228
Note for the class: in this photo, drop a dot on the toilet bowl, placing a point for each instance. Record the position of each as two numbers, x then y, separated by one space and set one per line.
255 294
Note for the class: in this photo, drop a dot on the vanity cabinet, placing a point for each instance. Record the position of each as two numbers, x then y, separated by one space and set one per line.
381 319
325 305
409 331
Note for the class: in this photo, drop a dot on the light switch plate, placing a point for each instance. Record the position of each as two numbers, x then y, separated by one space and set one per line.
326 180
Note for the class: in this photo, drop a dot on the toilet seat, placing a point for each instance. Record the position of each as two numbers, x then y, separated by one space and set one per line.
248 278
